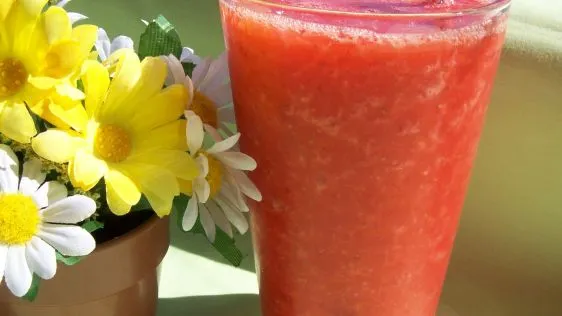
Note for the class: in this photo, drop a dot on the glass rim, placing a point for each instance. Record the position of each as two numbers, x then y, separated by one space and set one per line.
496 5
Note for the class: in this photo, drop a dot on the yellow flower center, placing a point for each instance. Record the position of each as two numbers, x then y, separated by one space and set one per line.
19 219
214 177
112 143
205 108
13 76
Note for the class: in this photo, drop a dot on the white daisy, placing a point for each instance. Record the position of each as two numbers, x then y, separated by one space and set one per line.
209 87
35 218
105 47
217 195
74 17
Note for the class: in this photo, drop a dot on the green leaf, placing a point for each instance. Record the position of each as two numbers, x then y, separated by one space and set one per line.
40 125
69 261
33 290
180 204
188 68
142 205
231 127
225 245
159 38
92 225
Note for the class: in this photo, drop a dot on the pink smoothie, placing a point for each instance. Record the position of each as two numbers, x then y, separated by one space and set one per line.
365 129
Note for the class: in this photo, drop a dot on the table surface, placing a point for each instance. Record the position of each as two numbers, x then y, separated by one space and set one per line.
195 280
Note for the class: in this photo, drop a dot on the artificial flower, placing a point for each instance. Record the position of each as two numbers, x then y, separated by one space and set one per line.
132 135
217 193
212 96
36 220
105 47
40 53
74 16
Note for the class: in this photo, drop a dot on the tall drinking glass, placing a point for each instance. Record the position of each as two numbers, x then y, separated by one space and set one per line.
364 117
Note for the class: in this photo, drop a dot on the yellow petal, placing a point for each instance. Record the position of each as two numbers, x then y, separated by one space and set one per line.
42 109
133 84
169 136
33 7
57 145
16 122
96 82
5 6
87 170
153 74
73 115
157 184
62 59
178 162
86 36
42 83
20 26
127 73
126 188
57 24
161 109
67 90
186 187
116 205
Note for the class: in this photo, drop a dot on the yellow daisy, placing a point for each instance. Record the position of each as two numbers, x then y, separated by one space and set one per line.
40 53
133 136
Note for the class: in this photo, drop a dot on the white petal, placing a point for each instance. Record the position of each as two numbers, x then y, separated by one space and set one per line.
190 215
70 210
216 76
221 95
207 223
202 189
246 185
195 133
32 177
203 164
232 193
76 17
176 75
237 160
219 218
41 258
103 45
3 257
68 240
213 132
188 55
9 170
224 145
188 84
200 72
227 117
62 3
121 42
49 193
235 217
17 275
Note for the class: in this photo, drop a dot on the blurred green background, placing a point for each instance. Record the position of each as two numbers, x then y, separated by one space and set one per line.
197 21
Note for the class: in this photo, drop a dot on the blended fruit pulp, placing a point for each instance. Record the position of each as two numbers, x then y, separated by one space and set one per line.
365 135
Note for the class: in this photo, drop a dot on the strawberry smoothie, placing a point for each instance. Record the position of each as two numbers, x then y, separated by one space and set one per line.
364 117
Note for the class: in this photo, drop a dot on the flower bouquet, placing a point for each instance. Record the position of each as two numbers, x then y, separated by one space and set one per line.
97 137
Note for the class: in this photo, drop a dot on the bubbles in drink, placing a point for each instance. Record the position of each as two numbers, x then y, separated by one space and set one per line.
388 6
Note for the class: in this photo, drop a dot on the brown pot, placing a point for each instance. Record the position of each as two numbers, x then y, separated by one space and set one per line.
118 279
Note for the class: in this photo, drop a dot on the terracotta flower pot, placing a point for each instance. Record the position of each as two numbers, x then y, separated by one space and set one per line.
118 279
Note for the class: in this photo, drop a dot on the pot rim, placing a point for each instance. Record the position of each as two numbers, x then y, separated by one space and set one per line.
150 222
